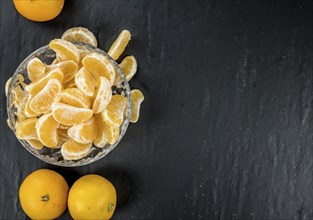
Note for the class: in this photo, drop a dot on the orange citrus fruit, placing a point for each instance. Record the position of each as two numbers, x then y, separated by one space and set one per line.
75 97
103 95
85 132
70 115
43 194
137 99
80 34
35 69
92 197
65 50
41 103
27 129
119 44
99 65
85 82
114 112
39 10
46 128
71 150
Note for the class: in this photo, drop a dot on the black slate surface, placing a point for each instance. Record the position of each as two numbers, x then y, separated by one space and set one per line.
226 129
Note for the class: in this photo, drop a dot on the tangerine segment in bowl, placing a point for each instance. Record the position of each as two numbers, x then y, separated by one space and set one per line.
99 65
72 150
27 129
74 97
129 68
41 103
65 50
106 133
69 68
85 132
35 87
35 143
80 34
85 82
35 69
46 128
103 95
70 115
114 112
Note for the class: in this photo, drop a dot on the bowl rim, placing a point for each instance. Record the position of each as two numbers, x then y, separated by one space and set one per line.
80 162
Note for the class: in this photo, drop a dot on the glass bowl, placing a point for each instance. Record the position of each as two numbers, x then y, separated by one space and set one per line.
53 156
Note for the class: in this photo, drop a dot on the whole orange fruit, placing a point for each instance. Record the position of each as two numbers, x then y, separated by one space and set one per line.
43 194
39 10
92 197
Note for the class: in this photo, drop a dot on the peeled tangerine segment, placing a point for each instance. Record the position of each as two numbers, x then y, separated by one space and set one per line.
63 136
18 95
106 133
85 82
114 112
27 129
69 69
46 128
101 138
41 103
35 69
119 44
70 115
28 111
71 150
99 65
80 34
20 114
35 144
129 68
137 99
103 95
85 132
64 50
35 87
75 97
70 84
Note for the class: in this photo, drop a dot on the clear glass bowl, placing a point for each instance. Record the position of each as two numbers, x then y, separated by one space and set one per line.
53 156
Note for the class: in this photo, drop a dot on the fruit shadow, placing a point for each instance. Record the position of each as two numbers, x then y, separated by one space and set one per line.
69 174
123 182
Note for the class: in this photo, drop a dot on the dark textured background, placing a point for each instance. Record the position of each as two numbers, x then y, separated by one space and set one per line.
226 129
